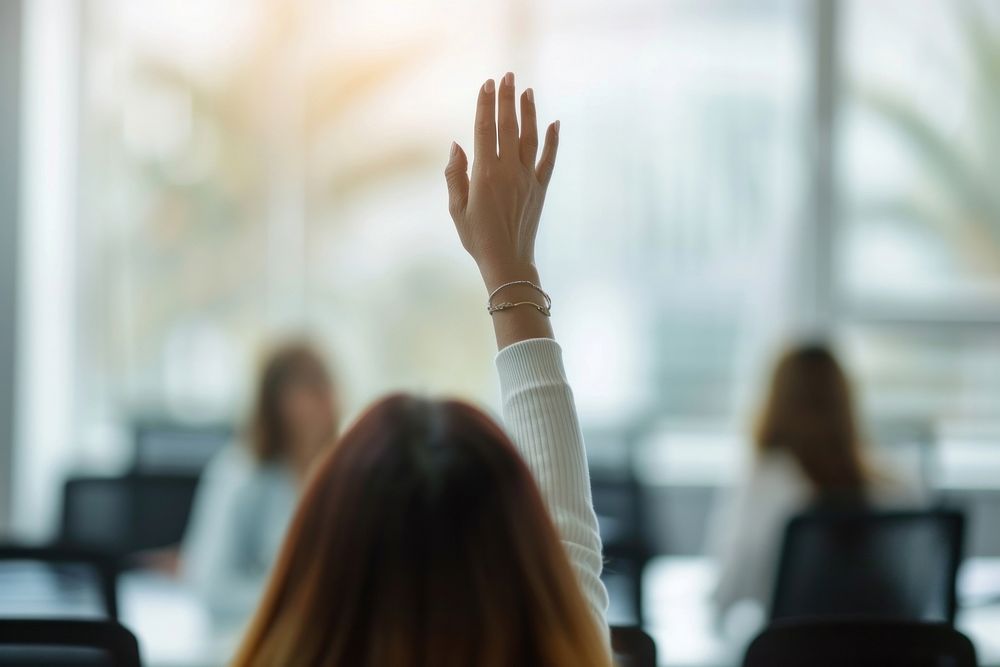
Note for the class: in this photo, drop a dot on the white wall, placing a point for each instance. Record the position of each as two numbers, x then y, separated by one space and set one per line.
45 316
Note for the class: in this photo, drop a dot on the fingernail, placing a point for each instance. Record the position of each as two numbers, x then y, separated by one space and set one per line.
530 94
508 79
454 149
488 87
555 126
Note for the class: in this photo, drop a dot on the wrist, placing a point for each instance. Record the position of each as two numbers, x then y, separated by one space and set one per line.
498 273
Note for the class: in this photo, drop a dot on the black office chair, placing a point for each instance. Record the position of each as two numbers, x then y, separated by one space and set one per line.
860 643
66 643
632 647
128 514
72 574
900 565
618 503
165 446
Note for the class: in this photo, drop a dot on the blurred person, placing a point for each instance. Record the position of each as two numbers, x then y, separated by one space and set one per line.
809 452
248 493
428 536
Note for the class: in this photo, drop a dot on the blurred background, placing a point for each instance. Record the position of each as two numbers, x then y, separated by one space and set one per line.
183 182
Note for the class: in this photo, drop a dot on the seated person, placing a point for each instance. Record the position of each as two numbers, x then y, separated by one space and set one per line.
249 491
809 451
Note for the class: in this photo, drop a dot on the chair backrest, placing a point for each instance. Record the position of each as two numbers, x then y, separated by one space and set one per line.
860 643
124 515
52 580
900 565
162 508
632 647
163 446
66 643
618 503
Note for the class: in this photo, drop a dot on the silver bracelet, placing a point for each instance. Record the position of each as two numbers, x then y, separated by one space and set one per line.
507 305
537 288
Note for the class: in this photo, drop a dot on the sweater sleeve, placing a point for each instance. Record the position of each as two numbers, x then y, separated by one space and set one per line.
540 414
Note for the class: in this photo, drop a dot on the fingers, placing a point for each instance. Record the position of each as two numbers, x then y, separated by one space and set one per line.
548 161
486 124
508 139
497 127
529 129
457 176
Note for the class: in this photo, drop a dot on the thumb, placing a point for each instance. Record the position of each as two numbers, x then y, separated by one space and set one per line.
457 176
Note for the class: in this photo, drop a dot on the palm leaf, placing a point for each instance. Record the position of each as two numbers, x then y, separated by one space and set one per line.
984 57
952 169
971 237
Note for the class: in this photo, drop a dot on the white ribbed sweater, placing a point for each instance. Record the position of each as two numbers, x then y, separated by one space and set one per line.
540 415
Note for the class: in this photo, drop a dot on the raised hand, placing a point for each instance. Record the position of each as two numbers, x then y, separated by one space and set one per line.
496 213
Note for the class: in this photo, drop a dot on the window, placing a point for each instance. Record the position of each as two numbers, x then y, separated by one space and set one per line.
920 148
252 168
670 229
919 252
288 175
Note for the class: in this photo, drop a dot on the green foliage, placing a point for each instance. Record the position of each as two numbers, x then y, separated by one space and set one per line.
959 195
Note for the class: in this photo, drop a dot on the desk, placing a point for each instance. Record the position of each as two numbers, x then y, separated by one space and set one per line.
174 630
32 589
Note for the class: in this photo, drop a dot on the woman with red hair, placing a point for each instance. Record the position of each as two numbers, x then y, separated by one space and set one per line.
428 536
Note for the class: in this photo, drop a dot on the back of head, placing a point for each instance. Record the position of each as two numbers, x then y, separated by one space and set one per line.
810 415
422 539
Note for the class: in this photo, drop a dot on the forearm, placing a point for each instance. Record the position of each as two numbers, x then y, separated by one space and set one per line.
540 414
523 322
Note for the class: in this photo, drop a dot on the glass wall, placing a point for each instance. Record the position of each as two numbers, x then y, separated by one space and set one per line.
255 168
918 270
264 168
672 225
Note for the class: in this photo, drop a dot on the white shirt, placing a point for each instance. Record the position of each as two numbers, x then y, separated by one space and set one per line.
748 526
238 521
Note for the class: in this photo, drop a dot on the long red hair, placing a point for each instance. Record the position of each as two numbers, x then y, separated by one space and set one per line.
422 540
